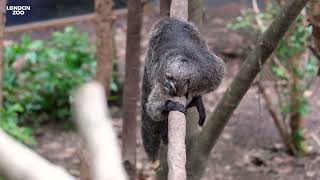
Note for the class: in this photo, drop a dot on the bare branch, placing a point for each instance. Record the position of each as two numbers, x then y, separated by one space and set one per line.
94 124
17 162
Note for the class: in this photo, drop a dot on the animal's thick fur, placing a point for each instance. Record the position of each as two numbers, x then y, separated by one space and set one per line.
177 48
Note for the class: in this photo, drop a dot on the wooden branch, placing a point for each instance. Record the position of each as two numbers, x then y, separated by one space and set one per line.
165 8
313 12
94 123
176 147
131 89
103 22
286 139
174 168
201 147
179 9
18 162
195 12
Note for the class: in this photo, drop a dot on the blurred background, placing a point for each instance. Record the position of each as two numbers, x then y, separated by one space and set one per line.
273 134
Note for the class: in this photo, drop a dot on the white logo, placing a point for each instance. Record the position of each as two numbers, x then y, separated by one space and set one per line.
18 10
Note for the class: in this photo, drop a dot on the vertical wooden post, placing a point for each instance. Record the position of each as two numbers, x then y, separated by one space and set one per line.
131 86
103 9
165 8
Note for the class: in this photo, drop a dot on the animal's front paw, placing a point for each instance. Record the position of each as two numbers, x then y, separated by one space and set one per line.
155 164
202 118
175 106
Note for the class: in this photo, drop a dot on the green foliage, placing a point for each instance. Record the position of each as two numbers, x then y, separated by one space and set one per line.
289 48
292 67
9 121
53 68
299 139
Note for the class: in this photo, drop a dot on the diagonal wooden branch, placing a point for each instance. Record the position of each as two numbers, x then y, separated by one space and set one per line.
201 146
18 162
94 124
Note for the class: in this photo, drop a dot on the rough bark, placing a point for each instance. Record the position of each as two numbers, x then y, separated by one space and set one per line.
103 9
18 162
202 145
2 29
195 12
165 8
131 85
103 149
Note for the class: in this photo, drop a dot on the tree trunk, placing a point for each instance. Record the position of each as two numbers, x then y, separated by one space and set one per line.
315 21
131 86
296 101
179 9
104 56
201 146
165 8
2 28
314 17
195 12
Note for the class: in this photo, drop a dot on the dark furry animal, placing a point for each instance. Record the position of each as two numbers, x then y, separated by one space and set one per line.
178 63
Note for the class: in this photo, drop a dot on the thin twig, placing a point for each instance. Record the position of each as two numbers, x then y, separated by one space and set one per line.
283 134
316 139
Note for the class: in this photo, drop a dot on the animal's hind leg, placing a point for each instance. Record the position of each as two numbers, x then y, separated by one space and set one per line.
164 131
151 136
197 101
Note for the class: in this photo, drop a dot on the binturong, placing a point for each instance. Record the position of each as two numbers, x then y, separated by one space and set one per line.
178 63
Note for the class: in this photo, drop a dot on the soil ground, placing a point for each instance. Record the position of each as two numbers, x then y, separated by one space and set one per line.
249 148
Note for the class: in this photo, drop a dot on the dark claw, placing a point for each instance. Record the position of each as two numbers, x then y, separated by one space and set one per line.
174 106
202 118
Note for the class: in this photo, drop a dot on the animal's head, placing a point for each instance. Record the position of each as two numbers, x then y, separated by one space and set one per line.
176 77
